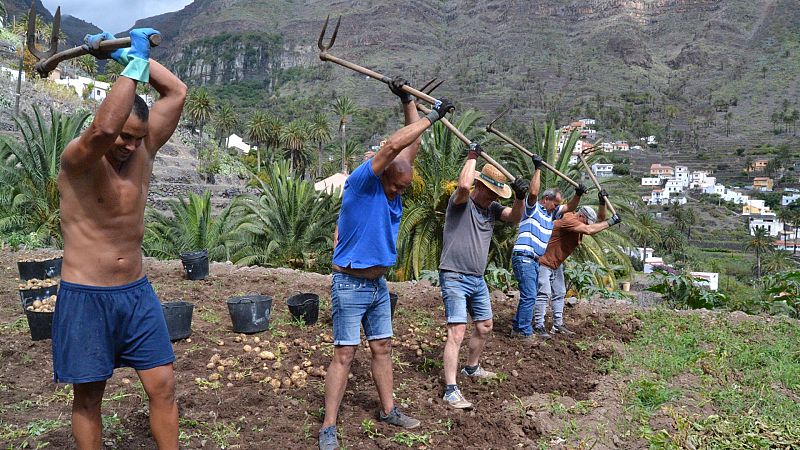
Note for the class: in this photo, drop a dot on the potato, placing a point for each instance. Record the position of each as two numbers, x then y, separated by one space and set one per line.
286 383
210 365
220 369
419 352
277 365
282 347
37 303
307 363
275 383
214 377
247 349
215 358
256 339
257 349
267 355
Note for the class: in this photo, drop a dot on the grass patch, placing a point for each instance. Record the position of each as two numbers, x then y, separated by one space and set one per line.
210 316
748 372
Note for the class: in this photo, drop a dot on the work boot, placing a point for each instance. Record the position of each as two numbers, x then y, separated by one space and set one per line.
327 438
541 333
479 372
456 400
396 417
561 329
520 335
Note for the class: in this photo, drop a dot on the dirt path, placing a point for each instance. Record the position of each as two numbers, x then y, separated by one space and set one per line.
537 383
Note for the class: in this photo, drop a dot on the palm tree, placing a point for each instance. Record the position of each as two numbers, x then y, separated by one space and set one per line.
87 63
258 132
225 121
199 107
343 107
354 154
320 134
2 10
113 70
644 229
29 199
274 135
785 216
760 242
190 226
685 218
777 261
672 240
288 222
294 138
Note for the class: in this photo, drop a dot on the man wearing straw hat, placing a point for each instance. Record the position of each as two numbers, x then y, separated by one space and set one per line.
566 237
469 224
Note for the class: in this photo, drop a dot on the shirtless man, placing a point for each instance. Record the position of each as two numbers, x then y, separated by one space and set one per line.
107 314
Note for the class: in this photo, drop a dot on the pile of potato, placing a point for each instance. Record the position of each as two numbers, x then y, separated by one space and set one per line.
34 283
47 305
38 260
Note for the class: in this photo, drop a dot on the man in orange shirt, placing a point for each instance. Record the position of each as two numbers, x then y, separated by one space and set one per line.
566 237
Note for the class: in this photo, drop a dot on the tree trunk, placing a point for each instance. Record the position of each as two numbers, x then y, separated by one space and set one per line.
258 157
344 149
758 263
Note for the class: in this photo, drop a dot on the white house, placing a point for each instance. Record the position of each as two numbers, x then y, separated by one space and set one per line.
768 221
651 181
621 146
707 279
756 207
659 197
642 253
701 180
588 122
651 263
333 182
786 200
234 141
649 140
12 74
682 175
607 147
602 169
734 196
717 189
80 84
673 186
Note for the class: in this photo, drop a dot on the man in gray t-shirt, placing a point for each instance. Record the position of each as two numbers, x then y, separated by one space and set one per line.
469 223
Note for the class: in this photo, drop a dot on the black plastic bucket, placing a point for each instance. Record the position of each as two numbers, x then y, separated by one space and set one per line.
250 313
178 315
195 265
29 295
40 324
304 305
393 301
40 269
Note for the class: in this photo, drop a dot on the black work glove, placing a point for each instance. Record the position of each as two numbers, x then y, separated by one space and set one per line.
615 219
581 189
601 197
537 161
474 150
442 107
396 86
520 188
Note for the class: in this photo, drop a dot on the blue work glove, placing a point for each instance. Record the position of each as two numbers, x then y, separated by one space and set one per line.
91 43
136 58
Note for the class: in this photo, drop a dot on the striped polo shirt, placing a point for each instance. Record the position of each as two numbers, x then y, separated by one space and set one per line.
535 229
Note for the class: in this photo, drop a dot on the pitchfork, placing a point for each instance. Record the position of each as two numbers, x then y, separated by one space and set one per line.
325 56
490 128
582 157
49 59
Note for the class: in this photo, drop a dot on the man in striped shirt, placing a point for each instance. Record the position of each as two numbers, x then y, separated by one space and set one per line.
535 229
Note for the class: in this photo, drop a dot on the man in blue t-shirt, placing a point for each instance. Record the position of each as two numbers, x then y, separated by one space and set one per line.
367 229
535 229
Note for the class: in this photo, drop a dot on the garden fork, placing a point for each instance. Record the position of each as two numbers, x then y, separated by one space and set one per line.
582 156
49 59
490 128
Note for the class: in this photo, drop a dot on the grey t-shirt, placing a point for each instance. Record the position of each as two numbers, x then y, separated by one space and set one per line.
468 232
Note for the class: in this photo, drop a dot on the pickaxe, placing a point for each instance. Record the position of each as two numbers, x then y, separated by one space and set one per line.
325 56
490 128
582 157
49 59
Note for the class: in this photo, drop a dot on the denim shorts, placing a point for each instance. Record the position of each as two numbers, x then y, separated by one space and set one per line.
97 329
356 302
462 293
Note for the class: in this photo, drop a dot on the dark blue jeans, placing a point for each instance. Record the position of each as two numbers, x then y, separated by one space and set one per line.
526 270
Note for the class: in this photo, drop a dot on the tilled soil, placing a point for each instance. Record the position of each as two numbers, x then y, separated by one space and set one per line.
248 414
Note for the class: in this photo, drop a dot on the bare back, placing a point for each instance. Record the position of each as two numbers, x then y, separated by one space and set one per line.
102 220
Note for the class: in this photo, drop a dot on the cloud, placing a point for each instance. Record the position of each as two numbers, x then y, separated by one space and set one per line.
114 15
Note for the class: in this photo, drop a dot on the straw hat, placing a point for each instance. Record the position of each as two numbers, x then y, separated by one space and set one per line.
494 180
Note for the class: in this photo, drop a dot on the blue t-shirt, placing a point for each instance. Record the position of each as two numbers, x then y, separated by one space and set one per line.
535 229
368 222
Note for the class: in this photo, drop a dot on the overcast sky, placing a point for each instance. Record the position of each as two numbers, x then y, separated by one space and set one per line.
114 15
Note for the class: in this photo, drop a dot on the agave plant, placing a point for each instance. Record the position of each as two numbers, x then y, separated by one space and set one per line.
190 226
288 223
29 200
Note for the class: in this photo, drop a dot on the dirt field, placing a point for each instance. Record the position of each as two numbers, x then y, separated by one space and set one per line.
519 409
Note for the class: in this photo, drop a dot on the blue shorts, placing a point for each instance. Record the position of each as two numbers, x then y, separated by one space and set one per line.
356 302
97 329
462 292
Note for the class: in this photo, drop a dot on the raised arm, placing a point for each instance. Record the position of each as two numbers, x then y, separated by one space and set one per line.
536 180
405 136
600 225
166 112
514 214
573 203
410 115
467 176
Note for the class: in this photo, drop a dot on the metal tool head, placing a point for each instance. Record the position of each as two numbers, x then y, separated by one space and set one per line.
489 127
325 47
31 35
593 148
430 86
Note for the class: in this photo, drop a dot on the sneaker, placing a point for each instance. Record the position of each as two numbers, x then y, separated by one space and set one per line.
520 335
561 329
541 333
480 372
396 417
327 438
456 400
